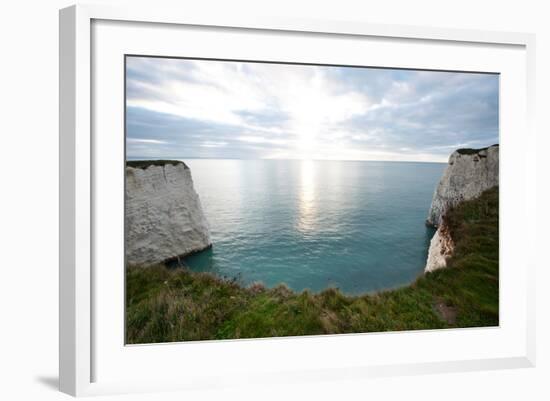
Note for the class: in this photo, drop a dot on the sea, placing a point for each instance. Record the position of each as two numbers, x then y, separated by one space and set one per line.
354 225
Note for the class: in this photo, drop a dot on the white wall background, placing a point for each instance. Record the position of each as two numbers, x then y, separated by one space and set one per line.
29 186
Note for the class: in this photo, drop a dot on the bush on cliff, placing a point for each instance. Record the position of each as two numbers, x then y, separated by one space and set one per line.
166 305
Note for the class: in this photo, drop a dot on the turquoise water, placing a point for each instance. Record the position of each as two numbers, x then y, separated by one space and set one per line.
358 226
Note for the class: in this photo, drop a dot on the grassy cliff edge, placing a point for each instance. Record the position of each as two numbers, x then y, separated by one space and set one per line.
165 305
144 164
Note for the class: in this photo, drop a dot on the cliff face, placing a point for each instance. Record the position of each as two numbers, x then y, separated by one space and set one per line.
468 174
164 216
441 248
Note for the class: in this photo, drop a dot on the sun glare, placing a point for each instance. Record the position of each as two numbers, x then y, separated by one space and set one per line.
307 199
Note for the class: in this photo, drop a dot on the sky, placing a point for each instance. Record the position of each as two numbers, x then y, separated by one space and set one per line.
179 108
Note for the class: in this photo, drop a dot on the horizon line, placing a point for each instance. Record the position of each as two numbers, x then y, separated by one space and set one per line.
134 158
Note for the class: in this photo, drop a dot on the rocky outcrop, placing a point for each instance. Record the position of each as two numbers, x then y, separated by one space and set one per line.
441 248
468 174
164 216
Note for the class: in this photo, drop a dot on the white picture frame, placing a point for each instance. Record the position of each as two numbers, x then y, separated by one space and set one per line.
79 317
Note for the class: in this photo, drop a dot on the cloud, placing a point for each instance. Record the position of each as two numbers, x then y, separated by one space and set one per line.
199 108
145 140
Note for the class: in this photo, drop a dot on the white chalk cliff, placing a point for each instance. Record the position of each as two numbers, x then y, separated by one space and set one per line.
468 174
164 216
441 248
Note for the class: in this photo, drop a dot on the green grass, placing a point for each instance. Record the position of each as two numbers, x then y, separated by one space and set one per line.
143 164
173 305
471 151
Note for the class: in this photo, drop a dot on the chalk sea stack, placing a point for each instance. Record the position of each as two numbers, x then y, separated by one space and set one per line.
468 173
164 216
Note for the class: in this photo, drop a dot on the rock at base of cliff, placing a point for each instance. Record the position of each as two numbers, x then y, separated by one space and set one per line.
441 248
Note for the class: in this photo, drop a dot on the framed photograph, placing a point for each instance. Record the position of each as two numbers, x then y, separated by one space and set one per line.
276 200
